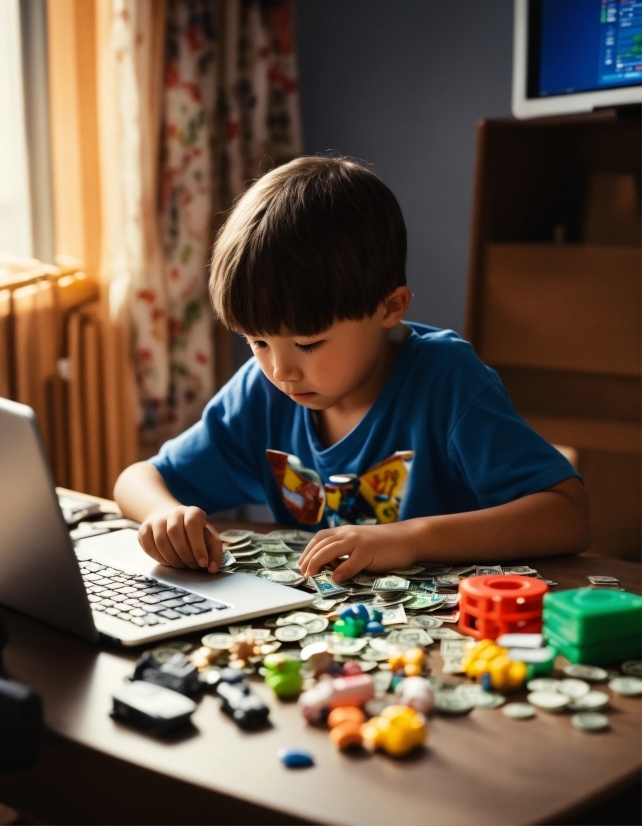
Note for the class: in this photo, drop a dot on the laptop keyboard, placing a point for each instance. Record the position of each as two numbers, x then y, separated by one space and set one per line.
138 599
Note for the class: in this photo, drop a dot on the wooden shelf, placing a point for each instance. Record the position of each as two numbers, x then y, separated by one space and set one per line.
569 307
560 322
588 434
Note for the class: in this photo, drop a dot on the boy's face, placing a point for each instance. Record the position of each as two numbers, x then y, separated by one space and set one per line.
323 370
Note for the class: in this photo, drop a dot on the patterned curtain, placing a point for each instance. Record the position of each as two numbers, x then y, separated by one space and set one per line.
230 113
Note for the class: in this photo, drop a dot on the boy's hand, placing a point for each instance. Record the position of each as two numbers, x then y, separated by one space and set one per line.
377 548
181 537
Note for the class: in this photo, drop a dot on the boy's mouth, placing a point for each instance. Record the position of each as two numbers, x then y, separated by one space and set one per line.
301 397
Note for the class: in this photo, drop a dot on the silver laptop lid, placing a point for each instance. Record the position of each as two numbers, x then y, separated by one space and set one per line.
39 573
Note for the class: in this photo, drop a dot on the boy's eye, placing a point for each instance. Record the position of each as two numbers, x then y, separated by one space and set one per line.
259 344
308 348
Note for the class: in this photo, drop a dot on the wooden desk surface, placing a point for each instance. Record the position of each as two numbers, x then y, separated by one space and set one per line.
479 769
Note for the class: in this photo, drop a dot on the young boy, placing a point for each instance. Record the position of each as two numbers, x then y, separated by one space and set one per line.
391 440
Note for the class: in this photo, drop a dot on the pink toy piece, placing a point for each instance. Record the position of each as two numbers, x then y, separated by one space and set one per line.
329 694
417 693
351 669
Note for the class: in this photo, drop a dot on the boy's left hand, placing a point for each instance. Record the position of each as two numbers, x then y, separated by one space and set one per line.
377 548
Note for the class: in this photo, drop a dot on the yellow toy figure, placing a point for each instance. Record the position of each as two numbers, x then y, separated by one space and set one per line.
397 731
488 658
411 662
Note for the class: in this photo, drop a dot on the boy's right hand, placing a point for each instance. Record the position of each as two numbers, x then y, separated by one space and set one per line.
181 537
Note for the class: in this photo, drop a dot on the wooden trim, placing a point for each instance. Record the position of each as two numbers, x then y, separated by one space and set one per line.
477 231
589 434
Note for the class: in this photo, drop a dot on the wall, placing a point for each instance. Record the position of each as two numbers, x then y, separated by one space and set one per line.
401 84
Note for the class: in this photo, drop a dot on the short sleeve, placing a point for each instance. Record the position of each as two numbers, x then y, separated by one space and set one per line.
498 455
213 464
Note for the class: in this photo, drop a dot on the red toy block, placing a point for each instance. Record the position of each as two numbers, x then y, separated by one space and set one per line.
500 604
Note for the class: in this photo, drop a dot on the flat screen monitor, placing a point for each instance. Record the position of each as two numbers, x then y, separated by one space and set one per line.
576 56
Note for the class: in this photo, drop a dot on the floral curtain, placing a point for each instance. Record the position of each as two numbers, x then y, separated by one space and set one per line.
230 113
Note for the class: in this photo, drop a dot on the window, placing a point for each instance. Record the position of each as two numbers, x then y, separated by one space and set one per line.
15 209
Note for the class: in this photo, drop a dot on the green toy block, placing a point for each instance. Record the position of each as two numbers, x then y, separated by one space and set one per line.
349 627
585 616
597 653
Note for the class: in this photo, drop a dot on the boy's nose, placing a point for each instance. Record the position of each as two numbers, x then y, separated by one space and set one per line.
284 372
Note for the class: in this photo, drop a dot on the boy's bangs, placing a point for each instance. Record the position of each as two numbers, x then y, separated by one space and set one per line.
275 292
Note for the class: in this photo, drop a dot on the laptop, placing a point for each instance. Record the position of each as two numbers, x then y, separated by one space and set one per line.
105 585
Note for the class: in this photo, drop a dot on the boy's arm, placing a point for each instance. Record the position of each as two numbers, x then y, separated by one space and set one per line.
171 533
548 523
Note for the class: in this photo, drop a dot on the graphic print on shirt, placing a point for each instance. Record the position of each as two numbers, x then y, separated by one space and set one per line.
373 498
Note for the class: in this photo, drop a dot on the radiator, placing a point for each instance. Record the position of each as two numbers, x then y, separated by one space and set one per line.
50 359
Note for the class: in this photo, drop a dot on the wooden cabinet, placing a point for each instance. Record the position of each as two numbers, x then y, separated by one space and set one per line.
554 296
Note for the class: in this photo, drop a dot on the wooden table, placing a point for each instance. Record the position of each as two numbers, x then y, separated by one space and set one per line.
479 769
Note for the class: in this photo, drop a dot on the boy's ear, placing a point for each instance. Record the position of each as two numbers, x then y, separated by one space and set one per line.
396 306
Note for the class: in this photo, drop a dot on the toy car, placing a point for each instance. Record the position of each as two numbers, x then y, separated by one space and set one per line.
246 709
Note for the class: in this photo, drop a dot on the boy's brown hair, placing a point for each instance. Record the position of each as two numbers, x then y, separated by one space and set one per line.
314 241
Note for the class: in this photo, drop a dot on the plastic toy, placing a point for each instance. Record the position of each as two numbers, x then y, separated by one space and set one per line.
246 709
491 664
203 658
374 629
177 674
243 647
417 693
345 724
358 611
594 626
231 675
346 714
398 730
295 758
349 627
355 620
500 604
351 669
329 694
318 657
152 707
410 662
283 676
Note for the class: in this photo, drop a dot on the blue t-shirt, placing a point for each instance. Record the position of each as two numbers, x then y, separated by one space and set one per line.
441 437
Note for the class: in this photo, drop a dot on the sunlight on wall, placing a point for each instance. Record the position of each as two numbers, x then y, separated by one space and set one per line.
15 217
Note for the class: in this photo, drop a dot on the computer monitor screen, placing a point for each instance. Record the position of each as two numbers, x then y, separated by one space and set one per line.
576 55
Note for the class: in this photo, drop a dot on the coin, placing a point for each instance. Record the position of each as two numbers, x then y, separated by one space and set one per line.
316 625
519 711
551 701
480 698
163 653
626 686
219 642
633 668
381 645
297 618
348 645
573 688
590 721
586 672
543 684
593 701
290 633
452 703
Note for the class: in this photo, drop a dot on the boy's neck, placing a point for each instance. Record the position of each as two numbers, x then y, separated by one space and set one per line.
334 423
